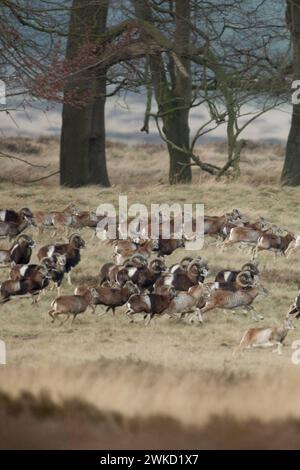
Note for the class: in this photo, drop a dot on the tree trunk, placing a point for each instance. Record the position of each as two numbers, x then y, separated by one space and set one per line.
173 90
291 169
290 175
82 151
176 129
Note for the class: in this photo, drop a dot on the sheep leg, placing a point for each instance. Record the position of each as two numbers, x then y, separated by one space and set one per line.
225 244
278 350
148 319
93 308
254 251
110 307
292 311
40 229
244 344
255 315
191 320
52 314
41 293
196 312
208 306
135 317
69 279
265 345
34 299
67 317
129 311
101 314
200 318
289 251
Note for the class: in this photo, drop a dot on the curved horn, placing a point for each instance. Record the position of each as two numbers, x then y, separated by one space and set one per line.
75 234
46 258
27 212
240 279
141 259
23 235
42 267
197 261
156 265
127 262
186 261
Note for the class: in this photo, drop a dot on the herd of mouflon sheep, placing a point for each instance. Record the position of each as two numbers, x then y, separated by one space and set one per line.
147 287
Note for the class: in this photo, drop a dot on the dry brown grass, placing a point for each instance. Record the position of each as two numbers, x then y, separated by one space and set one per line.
74 424
184 372
136 164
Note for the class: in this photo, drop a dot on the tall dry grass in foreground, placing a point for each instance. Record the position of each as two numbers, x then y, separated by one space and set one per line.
179 373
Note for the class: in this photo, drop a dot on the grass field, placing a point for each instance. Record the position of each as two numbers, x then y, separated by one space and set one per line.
120 382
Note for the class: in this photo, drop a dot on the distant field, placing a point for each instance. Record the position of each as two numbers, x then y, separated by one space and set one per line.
129 377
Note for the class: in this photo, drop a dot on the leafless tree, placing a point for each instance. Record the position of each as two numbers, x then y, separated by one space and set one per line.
291 169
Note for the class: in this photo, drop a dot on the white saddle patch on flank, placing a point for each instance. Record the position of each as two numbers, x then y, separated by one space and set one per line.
50 251
132 271
227 275
23 270
175 267
147 301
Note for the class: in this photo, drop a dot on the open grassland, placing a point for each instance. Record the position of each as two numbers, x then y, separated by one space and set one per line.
130 380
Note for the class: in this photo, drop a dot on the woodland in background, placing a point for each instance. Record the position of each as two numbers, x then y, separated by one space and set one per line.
235 57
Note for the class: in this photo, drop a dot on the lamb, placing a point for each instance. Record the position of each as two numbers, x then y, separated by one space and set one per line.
214 225
86 219
187 302
111 297
231 298
265 337
72 305
274 242
248 234
55 219
125 249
